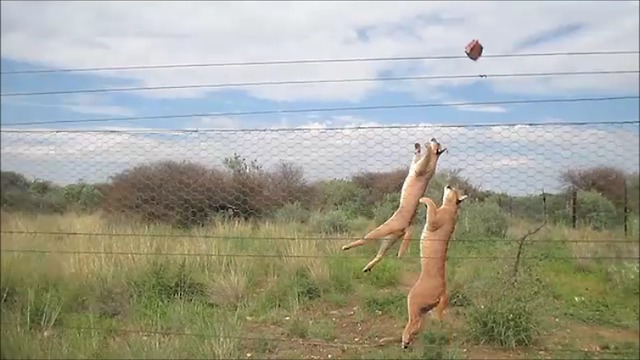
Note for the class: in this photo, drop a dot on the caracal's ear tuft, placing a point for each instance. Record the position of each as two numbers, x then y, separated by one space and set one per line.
416 146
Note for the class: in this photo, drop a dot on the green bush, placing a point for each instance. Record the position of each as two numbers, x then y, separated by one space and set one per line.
292 213
82 197
482 220
343 195
384 209
330 223
596 211
38 196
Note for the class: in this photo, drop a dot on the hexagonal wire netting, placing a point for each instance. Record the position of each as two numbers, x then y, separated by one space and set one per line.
189 177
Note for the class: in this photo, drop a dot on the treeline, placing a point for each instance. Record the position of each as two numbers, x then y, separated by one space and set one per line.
186 194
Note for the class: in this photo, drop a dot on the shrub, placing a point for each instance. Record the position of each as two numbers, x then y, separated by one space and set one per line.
342 195
330 223
184 194
605 180
482 220
380 184
292 213
385 208
595 210
181 194
82 197
19 194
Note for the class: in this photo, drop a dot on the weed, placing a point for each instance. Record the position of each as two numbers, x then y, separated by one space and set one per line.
322 329
508 323
298 328
390 303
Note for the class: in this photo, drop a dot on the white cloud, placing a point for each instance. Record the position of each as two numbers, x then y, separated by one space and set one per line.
81 103
91 104
216 122
114 33
520 159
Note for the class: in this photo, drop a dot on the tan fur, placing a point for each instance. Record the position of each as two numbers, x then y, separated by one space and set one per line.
430 291
422 169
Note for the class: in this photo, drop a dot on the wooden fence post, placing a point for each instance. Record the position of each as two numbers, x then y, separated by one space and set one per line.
574 207
626 210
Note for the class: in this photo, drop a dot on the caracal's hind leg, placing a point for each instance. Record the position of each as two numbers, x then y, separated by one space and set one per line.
442 305
381 231
440 308
406 239
387 243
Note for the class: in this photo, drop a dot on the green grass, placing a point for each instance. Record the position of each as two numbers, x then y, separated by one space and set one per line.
90 306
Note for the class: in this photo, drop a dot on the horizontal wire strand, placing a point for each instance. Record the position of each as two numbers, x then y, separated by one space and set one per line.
346 108
318 81
315 61
134 253
279 238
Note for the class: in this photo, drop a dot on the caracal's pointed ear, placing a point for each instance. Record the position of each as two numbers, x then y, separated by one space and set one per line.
417 148
461 198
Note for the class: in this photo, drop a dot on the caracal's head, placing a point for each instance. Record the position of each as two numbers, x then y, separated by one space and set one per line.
452 196
435 148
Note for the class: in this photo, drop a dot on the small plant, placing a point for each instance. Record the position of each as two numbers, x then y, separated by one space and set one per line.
305 287
458 298
43 308
323 329
111 301
160 284
434 346
392 303
298 328
505 322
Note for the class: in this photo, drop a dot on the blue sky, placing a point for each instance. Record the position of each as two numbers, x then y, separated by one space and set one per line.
20 109
113 35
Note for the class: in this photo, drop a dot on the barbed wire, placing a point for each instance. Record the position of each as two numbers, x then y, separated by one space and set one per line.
333 109
323 256
319 81
281 238
312 342
316 61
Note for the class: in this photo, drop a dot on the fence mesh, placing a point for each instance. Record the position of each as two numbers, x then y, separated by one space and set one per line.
191 176
251 222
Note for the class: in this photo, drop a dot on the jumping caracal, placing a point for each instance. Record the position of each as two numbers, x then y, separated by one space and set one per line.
430 291
422 169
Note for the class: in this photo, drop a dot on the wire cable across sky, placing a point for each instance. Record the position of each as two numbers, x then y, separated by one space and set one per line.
311 110
314 61
320 81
